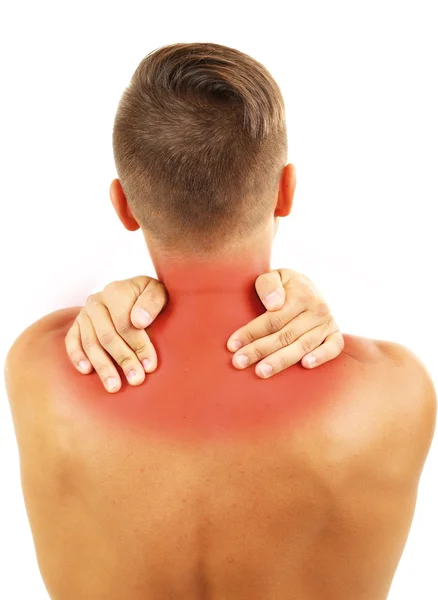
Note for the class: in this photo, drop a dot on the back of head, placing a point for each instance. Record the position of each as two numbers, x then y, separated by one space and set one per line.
200 143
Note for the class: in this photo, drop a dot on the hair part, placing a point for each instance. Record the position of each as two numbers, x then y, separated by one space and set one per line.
199 144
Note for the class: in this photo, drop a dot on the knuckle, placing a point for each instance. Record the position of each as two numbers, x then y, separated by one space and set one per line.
124 360
308 293
120 289
141 349
123 326
87 344
322 309
257 353
305 297
248 336
92 300
289 276
274 323
286 337
107 338
282 363
80 318
132 284
112 287
307 345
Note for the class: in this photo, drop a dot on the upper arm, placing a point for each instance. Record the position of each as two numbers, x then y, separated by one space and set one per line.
28 377
426 399
415 400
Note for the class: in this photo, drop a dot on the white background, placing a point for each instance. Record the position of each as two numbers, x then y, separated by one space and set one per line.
359 81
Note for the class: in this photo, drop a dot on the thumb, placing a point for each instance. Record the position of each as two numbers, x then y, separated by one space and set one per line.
270 289
149 304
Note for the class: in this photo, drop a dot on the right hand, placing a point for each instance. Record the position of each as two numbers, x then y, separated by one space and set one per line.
105 330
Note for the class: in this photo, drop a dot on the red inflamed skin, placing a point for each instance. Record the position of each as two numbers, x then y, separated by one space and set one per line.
196 392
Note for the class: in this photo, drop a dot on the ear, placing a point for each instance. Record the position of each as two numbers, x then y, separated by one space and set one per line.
286 191
121 206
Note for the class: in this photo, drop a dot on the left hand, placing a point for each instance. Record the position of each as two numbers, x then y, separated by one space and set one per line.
297 326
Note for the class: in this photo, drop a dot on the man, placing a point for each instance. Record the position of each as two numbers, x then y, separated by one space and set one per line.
207 481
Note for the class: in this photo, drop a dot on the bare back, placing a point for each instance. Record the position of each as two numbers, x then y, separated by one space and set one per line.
223 486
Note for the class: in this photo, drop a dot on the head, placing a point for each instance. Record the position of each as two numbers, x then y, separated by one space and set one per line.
200 148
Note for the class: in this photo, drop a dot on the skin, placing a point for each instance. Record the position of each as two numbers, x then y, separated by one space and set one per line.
110 329
207 481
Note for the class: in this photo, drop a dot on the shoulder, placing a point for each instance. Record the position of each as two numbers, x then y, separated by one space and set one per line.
37 331
414 383
28 353
397 362
407 371
370 351
402 382
385 353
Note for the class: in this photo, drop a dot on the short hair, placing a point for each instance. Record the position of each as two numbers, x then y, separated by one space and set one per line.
199 144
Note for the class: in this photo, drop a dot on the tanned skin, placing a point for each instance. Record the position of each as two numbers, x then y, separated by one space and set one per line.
207 482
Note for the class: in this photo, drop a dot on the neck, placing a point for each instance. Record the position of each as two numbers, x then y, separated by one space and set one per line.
213 277
208 299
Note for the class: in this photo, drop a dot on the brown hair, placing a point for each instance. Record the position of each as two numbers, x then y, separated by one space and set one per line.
200 144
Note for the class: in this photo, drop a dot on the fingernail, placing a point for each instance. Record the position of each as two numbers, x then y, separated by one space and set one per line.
143 317
132 375
273 299
111 383
235 345
83 365
242 360
147 364
311 360
264 369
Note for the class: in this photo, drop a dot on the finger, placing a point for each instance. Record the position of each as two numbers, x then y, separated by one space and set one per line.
149 304
125 292
111 341
300 297
97 356
270 290
267 345
330 349
75 352
136 339
265 324
299 281
290 355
